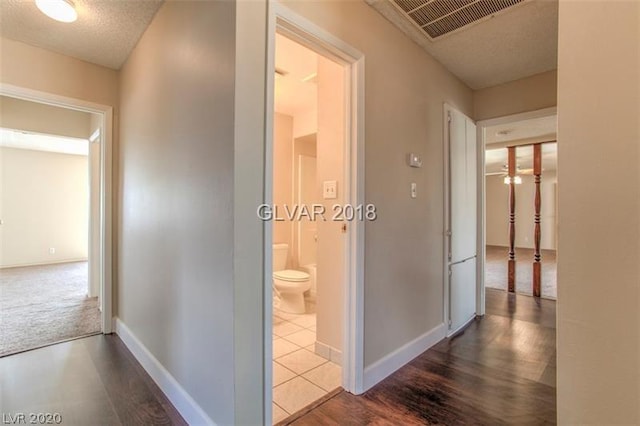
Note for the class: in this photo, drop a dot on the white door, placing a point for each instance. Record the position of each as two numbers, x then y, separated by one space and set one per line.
462 218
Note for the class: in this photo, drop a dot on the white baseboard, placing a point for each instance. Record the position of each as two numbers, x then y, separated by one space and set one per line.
382 368
186 406
53 262
327 352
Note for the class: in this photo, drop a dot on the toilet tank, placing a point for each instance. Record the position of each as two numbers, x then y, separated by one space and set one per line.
280 252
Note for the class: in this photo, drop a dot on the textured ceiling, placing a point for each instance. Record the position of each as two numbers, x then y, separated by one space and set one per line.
496 159
534 129
105 33
516 43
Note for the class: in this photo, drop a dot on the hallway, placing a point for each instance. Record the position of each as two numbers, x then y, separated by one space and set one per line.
500 370
93 380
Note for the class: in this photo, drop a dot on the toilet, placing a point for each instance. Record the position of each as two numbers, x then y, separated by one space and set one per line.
289 285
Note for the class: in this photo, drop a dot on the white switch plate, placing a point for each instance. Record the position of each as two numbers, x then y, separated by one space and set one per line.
329 189
414 190
414 160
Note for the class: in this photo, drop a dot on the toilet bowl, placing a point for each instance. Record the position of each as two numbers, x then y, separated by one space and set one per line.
289 285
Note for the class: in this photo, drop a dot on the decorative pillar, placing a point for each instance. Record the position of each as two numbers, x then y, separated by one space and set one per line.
537 265
511 170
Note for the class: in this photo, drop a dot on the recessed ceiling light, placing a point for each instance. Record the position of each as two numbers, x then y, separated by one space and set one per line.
504 132
60 10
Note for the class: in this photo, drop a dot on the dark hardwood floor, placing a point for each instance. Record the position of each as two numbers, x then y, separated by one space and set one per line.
500 370
89 381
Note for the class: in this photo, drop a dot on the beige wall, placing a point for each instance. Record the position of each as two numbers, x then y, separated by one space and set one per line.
43 205
283 180
39 69
305 123
330 255
404 95
528 94
176 234
19 114
599 208
497 212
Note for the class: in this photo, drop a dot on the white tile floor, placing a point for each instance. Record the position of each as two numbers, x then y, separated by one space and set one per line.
300 377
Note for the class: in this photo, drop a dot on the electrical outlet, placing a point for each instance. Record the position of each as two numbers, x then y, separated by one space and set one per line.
52 250
330 189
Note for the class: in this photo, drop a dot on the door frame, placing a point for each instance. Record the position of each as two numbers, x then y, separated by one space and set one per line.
481 127
104 261
286 22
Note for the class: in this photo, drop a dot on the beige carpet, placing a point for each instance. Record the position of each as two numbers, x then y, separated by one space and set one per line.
496 271
40 305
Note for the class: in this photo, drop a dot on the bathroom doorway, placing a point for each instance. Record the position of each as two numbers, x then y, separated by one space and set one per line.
308 252
315 257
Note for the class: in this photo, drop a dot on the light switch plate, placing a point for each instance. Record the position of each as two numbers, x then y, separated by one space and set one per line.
414 160
414 190
330 189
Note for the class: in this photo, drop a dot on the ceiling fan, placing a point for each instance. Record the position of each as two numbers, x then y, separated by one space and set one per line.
505 169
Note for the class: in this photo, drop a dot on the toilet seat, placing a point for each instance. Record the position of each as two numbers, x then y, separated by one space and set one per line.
291 275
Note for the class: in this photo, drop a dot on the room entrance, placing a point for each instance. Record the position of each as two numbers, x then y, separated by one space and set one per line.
54 229
314 252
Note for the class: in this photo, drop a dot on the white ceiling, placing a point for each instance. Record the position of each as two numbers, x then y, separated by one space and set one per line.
38 142
518 42
496 159
105 33
533 130
294 95
543 128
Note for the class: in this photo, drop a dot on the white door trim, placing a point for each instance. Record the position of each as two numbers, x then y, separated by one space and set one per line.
481 127
106 131
300 29
446 302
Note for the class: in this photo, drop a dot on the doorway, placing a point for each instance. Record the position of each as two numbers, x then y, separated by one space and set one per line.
314 248
92 252
518 187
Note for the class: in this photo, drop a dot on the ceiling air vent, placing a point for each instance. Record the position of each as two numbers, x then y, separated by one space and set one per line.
439 17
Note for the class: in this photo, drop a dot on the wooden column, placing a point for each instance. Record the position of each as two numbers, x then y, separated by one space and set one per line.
537 265
511 276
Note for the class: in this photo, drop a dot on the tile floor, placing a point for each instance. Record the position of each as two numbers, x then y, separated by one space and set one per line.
300 377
